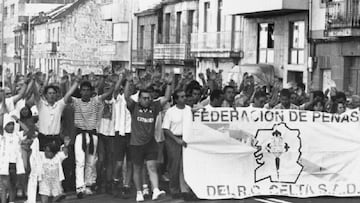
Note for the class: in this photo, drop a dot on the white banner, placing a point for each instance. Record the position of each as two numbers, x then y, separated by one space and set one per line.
247 152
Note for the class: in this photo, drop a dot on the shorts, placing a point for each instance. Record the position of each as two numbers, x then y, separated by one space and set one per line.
122 147
142 153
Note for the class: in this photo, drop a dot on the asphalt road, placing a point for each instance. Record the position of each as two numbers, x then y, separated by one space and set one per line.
109 199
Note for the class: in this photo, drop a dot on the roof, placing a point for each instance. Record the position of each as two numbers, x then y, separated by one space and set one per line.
150 11
57 13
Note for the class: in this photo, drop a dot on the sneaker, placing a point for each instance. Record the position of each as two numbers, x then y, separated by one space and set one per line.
126 192
158 194
88 191
80 195
146 193
139 197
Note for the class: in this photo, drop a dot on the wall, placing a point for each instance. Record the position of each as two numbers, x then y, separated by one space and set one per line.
318 20
183 7
281 40
85 40
147 21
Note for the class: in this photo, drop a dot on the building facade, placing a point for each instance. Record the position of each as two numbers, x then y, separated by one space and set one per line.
335 33
16 14
72 36
217 42
275 33
172 52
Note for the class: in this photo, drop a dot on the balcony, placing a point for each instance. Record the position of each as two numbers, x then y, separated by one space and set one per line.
260 7
142 56
107 11
343 18
216 44
48 47
172 52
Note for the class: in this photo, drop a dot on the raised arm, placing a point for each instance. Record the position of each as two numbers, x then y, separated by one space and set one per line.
169 81
21 94
118 85
74 86
127 92
35 91
107 93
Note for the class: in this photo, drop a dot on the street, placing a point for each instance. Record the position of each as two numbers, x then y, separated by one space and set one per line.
109 199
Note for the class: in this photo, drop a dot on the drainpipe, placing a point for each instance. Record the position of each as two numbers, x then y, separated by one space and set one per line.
310 66
2 43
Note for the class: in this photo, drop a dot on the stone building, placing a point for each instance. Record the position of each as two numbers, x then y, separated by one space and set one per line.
72 36
16 15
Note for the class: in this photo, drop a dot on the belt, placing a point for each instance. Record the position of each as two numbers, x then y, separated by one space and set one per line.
51 135
83 133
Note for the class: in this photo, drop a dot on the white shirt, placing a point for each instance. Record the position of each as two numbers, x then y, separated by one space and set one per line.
107 125
122 116
174 119
50 116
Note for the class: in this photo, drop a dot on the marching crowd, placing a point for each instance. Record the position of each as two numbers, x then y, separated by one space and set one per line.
117 132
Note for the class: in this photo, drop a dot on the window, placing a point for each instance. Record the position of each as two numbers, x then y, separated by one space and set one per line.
219 17
167 27
297 42
190 23
206 16
266 43
48 35
153 27
58 36
142 32
5 12
4 48
53 39
121 32
178 27
12 10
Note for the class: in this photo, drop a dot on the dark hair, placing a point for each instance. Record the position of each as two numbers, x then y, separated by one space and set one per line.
54 147
175 94
86 84
228 87
301 86
259 94
216 94
285 93
318 93
144 91
340 95
46 89
22 117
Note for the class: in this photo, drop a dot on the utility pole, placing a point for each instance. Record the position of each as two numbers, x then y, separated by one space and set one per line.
2 42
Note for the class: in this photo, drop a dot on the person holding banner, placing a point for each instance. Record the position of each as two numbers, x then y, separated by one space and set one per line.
285 100
173 130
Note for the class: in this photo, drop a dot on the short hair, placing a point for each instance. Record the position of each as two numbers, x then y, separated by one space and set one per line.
285 93
318 93
53 146
86 84
340 95
259 94
216 94
147 90
175 94
301 86
46 89
228 87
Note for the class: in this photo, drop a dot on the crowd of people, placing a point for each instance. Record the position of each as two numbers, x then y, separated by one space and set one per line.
119 132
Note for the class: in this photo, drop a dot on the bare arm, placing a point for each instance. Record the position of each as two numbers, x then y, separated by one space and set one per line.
127 93
117 86
168 91
21 94
175 138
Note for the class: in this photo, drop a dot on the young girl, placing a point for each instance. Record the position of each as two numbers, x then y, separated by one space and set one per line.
11 163
52 171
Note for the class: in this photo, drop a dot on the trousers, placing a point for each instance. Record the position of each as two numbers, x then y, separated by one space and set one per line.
85 162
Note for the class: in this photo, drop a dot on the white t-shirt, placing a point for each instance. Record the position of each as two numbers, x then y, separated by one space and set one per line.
122 116
50 116
107 120
13 142
174 119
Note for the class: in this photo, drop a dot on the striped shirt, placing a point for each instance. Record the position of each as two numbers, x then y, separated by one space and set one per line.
86 114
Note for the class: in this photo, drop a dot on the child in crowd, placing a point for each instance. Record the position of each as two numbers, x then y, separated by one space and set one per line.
11 163
52 172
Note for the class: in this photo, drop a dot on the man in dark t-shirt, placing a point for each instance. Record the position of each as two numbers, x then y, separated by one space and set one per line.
143 147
